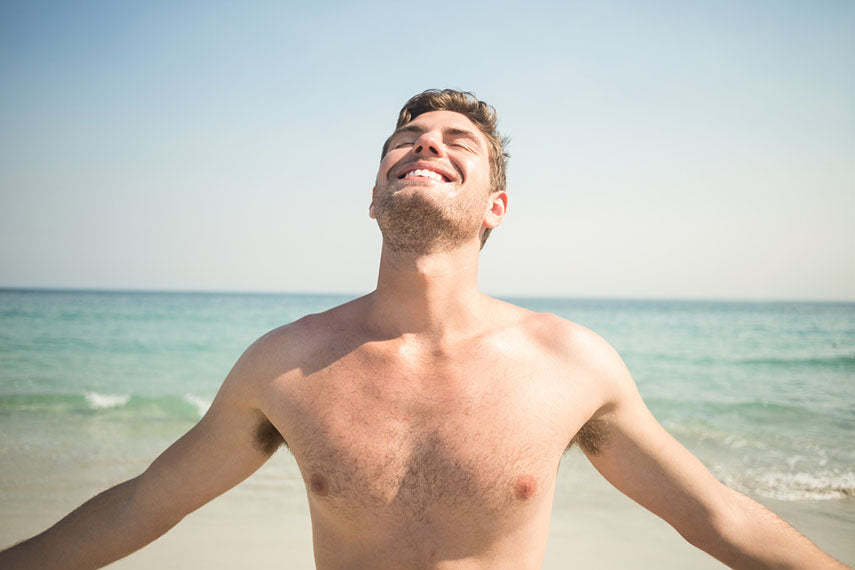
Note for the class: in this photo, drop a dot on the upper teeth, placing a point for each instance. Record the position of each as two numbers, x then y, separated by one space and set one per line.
427 174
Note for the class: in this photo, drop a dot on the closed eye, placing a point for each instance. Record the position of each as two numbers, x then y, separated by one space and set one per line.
462 139
462 145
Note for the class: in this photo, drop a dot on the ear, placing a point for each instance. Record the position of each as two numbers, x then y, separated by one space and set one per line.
498 206
371 205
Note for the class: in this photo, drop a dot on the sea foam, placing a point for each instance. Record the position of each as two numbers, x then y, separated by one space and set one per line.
816 486
200 404
100 401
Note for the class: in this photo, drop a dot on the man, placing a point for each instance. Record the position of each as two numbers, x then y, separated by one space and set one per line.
427 419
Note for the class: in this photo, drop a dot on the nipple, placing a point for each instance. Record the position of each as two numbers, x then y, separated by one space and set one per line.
318 484
525 487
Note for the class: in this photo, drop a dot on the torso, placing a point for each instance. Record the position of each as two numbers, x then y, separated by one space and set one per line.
426 458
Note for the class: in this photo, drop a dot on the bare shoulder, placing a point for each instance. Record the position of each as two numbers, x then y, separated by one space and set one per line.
264 377
297 347
575 345
593 370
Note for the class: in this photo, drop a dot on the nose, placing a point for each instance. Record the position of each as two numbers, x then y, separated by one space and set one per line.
429 144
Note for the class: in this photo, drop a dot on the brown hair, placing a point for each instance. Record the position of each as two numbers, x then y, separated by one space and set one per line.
479 112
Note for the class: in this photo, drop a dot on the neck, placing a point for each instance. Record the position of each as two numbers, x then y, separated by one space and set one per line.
434 296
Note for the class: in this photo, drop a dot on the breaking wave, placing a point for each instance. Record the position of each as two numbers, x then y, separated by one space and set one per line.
818 486
98 401
132 406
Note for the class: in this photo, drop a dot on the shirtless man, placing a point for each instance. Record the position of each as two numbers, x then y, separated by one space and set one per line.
428 420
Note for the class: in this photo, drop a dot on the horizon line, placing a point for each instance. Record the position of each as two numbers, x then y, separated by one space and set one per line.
352 294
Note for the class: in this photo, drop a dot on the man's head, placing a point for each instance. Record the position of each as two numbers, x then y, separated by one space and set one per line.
467 104
434 103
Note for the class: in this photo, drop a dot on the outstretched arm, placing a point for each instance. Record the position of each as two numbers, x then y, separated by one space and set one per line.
628 447
220 451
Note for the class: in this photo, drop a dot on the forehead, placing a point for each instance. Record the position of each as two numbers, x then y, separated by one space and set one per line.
445 122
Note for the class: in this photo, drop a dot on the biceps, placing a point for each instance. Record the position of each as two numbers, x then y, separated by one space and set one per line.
647 464
216 454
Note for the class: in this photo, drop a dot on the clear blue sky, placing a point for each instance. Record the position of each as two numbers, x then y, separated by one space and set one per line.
659 149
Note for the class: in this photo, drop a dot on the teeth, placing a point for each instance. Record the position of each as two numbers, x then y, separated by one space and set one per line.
426 174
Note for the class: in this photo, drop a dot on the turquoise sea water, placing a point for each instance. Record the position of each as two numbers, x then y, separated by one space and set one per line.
763 393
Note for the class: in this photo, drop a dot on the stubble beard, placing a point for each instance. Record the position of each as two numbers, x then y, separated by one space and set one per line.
412 223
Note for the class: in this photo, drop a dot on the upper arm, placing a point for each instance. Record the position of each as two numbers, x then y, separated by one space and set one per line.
644 461
231 441
634 453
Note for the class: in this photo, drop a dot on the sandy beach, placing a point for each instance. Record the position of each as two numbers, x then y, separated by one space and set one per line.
264 524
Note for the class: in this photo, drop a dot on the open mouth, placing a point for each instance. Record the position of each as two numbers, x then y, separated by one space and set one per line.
423 173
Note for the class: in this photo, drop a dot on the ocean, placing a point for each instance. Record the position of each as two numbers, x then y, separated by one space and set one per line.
94 385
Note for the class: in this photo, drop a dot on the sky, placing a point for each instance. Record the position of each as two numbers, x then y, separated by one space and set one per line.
661 149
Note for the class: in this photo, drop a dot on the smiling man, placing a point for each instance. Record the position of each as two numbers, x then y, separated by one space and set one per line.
429 194
427 419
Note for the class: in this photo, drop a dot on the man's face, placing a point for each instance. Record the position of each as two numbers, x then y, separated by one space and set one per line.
433 185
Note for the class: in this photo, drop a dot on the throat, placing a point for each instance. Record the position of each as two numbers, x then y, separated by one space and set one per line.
435 303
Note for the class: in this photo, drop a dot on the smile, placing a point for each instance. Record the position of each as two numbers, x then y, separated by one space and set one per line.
423 173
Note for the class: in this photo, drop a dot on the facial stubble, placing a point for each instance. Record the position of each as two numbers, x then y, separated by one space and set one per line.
412 222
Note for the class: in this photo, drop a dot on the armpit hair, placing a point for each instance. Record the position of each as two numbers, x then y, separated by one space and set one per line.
267 437
591 437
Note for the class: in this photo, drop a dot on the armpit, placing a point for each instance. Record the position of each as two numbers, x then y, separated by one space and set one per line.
267 437
591 437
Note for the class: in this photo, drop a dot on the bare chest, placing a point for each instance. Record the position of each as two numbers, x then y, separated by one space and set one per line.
422 444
